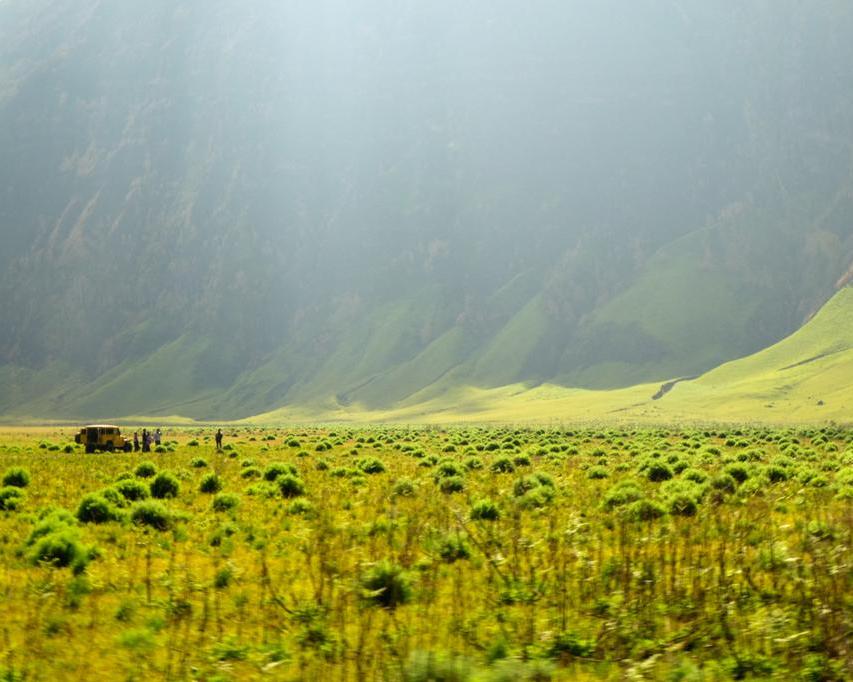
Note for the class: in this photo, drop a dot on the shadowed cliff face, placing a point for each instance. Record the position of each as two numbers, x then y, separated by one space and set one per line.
300 200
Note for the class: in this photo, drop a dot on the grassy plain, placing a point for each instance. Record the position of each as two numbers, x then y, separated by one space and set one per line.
393 553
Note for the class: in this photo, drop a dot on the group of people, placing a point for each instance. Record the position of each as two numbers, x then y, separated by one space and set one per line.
149 438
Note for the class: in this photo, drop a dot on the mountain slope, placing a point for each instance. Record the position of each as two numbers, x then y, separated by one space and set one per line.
805 378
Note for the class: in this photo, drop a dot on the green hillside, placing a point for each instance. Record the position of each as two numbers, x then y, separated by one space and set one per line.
805 378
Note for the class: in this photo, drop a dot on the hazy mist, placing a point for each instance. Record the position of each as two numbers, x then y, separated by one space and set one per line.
288 201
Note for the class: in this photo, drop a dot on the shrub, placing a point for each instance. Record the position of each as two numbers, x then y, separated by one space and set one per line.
453 548
276 469
597 472
225 501
263 489
404 487
125 611
17 477
61 548
153 514
371 466
748 666
290 486
695 475
113 496
567 644
819 668
223 578
723 483
386 585
485 510
679 466
737 471
198 462
682 504
95 509
145 470
51 520
448 467
536 498
473 463
250 472
131 490
524 485
544 478
451 484
211 483
658 471
775 473
748 456
10 498
164 485
502 465
644 510
621 494
300 506
55 540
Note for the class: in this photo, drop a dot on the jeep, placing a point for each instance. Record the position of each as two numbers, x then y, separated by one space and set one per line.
102 437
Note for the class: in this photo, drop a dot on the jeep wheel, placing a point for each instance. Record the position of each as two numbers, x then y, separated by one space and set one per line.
90 449
110 447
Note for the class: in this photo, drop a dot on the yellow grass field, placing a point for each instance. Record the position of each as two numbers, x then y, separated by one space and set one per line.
396 553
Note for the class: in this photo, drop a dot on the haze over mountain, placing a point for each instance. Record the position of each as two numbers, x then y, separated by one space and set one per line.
217 209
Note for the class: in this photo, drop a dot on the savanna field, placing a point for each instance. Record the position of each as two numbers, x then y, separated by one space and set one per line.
429 554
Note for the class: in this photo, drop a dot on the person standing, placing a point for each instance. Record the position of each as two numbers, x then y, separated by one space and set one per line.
157 437
146 441
219 439
136 441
